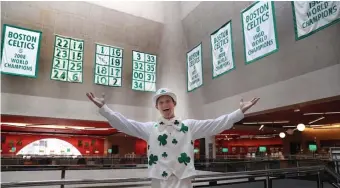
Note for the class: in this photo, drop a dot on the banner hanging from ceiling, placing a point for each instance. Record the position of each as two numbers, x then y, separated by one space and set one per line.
68 59
20 51
194 68
259 31
144 71
108 65
313 16
222 50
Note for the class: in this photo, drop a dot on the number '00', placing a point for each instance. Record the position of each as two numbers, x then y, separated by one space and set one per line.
138 75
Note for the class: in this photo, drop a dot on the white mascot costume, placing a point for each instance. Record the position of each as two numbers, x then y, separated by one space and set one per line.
170 141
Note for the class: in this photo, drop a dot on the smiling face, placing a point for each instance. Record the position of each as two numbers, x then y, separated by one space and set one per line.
166 106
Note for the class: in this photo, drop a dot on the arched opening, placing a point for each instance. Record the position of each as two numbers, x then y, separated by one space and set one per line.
49 146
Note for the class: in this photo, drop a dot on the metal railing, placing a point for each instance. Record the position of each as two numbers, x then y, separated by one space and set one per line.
264 175
246 171
112 161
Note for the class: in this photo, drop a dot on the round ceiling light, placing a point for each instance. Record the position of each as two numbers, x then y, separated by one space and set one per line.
282 135
301 127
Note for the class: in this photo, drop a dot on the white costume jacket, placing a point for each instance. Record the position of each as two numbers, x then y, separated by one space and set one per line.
170 142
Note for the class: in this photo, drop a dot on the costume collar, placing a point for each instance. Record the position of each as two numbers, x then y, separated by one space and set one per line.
175 122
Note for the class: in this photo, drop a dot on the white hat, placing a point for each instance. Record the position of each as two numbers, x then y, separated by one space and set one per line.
162 92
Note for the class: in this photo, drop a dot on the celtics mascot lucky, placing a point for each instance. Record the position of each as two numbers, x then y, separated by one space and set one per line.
170 139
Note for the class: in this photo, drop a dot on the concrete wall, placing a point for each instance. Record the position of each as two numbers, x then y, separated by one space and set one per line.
93 23
300 71
114 23
187 7
151 10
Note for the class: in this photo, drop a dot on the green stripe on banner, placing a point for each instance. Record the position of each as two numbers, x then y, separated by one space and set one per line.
313 16
259 31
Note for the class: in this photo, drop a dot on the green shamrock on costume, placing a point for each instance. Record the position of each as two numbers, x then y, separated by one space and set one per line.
153 159
184 159
184 128
148 146
176 122
174 141
192 143
164 174
162 139
164 155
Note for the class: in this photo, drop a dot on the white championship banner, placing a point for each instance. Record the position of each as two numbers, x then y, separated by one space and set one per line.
108 65
259 31
20 51
68 58
194 68
144 71
222 50
313 16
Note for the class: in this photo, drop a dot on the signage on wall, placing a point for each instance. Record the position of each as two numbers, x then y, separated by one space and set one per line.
259 31
68 57
144 67
108 65
194 68
313 16
222 50
20 51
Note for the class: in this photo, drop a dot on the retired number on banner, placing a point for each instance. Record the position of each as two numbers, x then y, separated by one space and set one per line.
313 16
108 65
144 67
67 63
194 68
259 31
20 51
222 50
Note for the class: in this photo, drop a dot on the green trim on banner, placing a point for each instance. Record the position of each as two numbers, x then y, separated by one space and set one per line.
200 44
110 56
232 49
312 32
66 71
275 32
37 54
144 63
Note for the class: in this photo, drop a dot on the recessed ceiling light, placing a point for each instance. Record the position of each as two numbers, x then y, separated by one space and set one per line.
308 114
332 113
320 113
297 110
288 126
316 120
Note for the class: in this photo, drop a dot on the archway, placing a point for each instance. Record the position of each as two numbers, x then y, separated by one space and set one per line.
50 146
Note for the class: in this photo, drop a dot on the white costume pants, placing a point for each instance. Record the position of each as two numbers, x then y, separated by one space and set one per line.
172 182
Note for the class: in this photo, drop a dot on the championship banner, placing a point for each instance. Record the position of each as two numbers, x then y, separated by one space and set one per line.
194 68
259 31
144 68
67 63
20 51
222 50
108 65
313 16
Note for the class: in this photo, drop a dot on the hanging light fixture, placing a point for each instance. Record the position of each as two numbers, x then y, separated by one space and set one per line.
301 127
282 135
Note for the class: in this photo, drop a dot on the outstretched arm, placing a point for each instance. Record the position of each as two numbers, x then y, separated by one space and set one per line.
118 121
210 127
